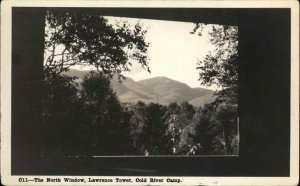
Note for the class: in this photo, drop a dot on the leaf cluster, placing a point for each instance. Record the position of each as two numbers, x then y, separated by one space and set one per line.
220 67
74 38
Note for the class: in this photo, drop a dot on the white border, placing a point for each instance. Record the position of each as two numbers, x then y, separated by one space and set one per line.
6 12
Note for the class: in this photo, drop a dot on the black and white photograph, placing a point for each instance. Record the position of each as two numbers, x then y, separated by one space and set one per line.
140 94
123 86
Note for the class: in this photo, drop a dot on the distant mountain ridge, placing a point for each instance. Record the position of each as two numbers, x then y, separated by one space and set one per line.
160 90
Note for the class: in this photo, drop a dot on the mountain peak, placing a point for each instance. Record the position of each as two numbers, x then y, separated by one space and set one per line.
161 79
160 89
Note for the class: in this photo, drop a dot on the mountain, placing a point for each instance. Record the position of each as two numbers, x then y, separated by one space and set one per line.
160 90
78 73
168 90
202 100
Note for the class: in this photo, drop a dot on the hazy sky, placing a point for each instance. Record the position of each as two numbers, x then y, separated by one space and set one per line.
173 51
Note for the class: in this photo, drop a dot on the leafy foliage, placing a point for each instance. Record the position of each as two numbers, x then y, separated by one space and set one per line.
92 116
102 110
216 129
60 105
216 123
220 67
179 120
148 131
138 123
98 124
74 38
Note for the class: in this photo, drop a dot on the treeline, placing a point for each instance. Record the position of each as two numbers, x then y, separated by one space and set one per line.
90 120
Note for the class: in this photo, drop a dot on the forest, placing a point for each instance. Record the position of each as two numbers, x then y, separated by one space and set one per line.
91 121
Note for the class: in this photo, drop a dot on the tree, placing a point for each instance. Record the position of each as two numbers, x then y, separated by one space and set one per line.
208 131
61 123
103 113
155 130
226 115
215 127
220 67
216 123
173 129
148 129
179 120
138 122
81 38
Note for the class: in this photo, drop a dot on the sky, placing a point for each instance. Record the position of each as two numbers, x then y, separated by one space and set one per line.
173 52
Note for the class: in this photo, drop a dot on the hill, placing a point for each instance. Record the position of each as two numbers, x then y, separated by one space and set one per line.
168 90
202 100
160 90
